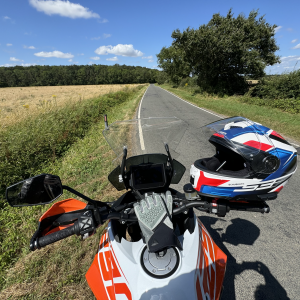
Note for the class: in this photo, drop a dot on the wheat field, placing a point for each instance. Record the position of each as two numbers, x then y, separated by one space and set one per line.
17 103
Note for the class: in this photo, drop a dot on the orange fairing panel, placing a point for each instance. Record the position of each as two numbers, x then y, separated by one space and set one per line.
63 206
105 276
210 268
58 228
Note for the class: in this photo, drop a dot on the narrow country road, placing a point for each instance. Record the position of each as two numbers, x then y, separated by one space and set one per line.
263 250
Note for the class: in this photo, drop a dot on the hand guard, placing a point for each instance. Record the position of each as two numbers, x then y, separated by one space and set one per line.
155 222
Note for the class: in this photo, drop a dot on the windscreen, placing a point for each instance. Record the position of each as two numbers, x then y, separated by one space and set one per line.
245 138
145 141
145 136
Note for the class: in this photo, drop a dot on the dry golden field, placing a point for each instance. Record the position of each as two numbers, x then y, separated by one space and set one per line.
17 103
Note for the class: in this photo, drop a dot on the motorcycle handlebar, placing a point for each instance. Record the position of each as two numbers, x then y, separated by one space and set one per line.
124 217
52 238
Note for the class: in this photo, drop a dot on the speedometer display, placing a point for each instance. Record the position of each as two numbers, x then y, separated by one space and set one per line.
148 176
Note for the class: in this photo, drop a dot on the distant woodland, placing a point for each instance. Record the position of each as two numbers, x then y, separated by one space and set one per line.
75 75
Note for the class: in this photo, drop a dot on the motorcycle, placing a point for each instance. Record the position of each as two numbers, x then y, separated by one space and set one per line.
178 261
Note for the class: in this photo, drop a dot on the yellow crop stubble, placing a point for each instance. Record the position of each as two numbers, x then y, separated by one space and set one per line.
18 103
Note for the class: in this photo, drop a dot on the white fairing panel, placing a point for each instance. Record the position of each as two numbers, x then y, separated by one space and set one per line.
180 285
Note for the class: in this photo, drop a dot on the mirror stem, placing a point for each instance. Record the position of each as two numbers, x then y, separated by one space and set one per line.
99 203
170 161
123 167
105 122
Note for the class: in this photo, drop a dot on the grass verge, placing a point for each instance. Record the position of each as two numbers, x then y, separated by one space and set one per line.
285 123
57 271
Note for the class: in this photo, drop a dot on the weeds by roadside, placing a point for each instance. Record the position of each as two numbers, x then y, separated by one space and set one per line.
284 122
57 271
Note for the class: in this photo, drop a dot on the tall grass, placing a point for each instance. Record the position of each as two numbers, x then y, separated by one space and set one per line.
282 91
284 122
285 86
28 144
83 163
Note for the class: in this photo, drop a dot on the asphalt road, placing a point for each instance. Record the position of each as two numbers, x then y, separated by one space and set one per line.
263 250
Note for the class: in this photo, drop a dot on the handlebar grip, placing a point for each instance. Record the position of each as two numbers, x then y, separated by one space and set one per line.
54 237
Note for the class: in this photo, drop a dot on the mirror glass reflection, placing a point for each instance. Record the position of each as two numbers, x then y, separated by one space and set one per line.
37 190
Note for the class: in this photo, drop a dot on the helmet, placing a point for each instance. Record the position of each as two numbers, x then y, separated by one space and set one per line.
244 160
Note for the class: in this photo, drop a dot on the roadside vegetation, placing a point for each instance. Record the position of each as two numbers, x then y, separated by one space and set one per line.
221 66
286 121
17 103
282 92
67 142
74 75
222 53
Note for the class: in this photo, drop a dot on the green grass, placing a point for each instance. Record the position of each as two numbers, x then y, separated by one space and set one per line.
284 87
57 271
285 123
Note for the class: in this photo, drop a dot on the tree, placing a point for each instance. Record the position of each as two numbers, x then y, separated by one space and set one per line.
161 77
173 61
227 49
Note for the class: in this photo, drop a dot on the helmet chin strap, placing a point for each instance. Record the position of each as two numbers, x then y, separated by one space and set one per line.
221 166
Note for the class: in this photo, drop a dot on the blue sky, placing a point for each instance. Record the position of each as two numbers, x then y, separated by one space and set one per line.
57 32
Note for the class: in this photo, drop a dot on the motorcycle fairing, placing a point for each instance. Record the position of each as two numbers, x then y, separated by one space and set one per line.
211 264
62 207
116 272
59 216
105 276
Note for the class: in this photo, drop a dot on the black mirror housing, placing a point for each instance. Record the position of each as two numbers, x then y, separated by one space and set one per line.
38 190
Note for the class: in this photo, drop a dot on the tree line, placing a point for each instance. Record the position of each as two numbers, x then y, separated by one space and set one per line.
222 53
75 75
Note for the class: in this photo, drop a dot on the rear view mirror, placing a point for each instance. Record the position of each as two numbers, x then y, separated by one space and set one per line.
41 189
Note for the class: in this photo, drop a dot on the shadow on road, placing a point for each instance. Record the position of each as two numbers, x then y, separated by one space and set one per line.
243 232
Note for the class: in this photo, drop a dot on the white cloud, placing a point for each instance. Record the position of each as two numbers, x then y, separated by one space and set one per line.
13 65
8 45
112 59
28 65
95 58
7 65
294 41
102 21
63 8
277 28
147 57
120 49
28 47
290 29
15 59
104 36
96 38
287 62
81 54
296 47
150 60
70 60
6 18
289 58
57 54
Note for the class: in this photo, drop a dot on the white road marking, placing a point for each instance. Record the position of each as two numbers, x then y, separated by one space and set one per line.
205 109
192 104
140 127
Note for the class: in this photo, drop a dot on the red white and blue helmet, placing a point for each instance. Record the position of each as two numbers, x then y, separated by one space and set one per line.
242 160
